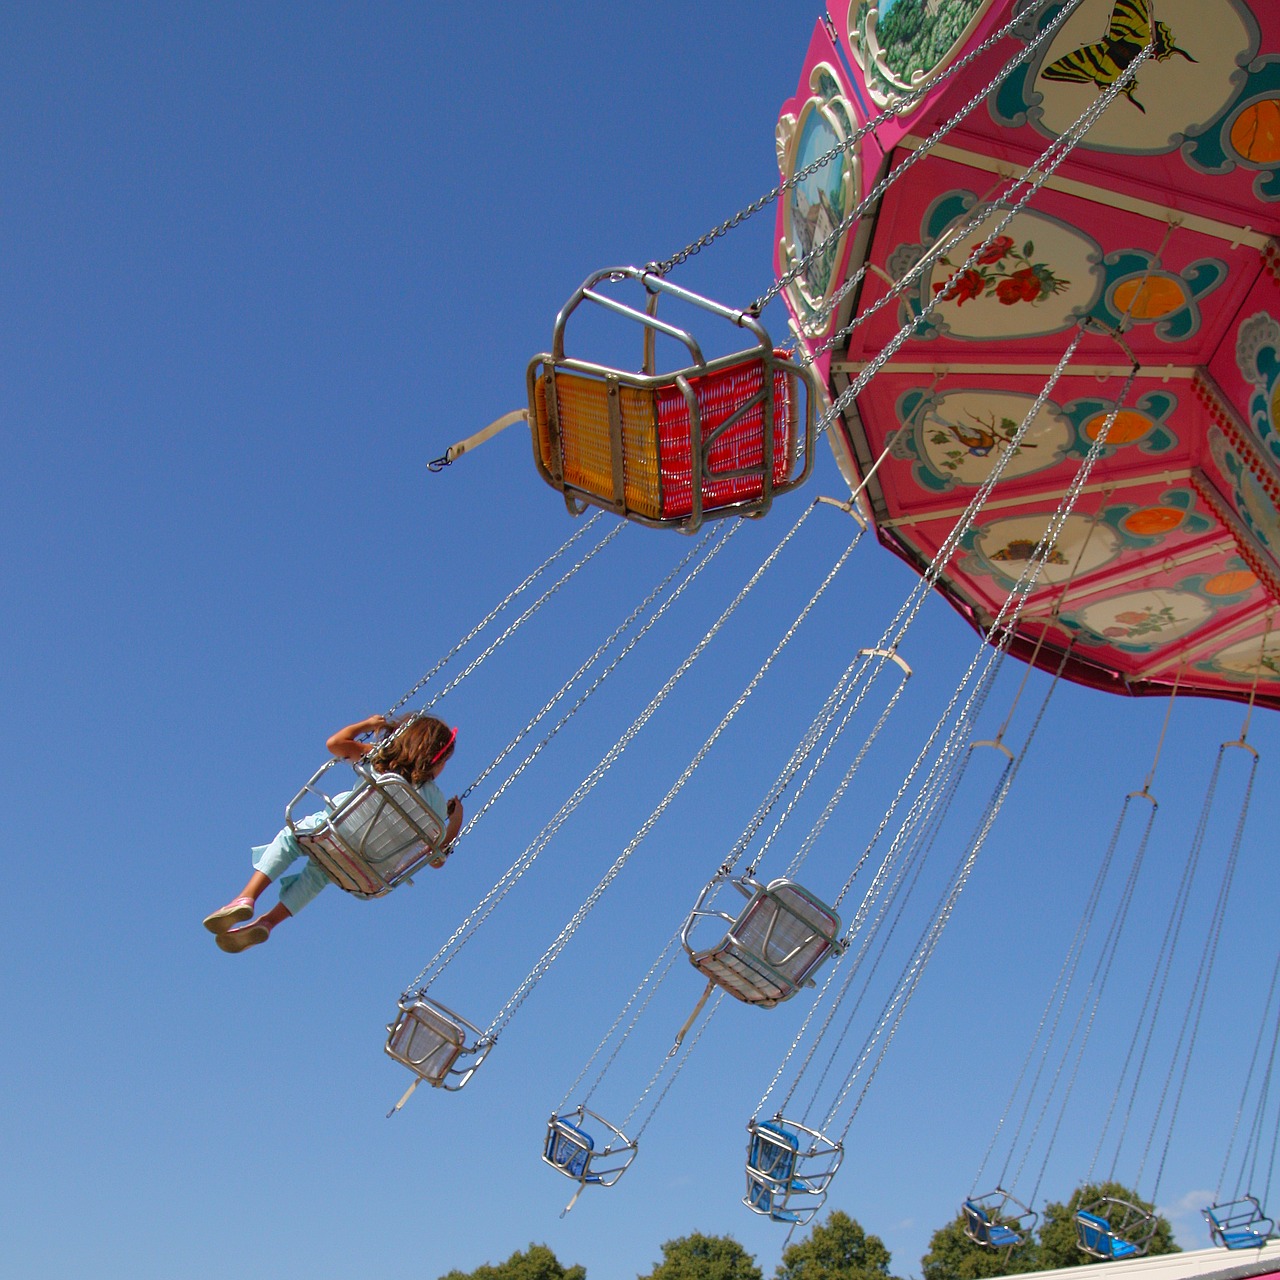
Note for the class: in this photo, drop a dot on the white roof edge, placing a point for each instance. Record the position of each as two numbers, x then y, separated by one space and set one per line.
1195 1264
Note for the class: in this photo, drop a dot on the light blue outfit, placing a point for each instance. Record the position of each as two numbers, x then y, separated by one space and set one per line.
298 889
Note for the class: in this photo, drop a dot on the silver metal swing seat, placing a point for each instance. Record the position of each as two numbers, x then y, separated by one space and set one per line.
789 1167
436 1044
369 839
1239 1224
1113 1229
998 1219
570 1149
718 437
772 946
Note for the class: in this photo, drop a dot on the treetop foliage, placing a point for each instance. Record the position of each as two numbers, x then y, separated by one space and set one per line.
535 1263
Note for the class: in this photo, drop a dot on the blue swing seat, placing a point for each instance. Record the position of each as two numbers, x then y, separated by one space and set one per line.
997 1219
788 1169
1096 1237
1239 1224
569 1149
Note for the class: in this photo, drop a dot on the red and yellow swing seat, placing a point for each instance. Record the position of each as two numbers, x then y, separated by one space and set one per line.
716 438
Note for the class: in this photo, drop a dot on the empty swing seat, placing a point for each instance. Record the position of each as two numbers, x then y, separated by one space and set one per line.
997 1220
435 1043
372 838
789 1168
1113 1229
570 1149
717 437
1239 1224
772 946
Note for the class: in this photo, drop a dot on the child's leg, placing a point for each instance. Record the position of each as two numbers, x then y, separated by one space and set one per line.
295 892
269 862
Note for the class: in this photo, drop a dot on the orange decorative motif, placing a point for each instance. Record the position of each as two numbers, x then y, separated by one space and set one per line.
1255 132
1232 582
1128 426
1148 522
1149 297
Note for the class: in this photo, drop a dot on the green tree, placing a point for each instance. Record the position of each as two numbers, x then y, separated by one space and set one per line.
1058 1247
953 1256
536 1263
699 1257
837 1249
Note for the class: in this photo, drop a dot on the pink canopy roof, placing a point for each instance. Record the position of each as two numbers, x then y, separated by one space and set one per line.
1158 225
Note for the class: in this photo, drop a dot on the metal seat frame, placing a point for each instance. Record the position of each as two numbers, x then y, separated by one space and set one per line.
570 1150
789 1167
1100 1236
998 1219
547 365
747 968
436 1044
1238 1224
342 844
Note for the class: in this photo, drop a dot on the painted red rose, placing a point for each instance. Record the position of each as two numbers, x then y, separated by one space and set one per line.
996 250
961 287
1023 286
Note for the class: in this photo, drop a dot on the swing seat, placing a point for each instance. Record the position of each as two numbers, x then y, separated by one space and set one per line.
997 1220
435 1043
717 438
789 1168
372 838
570 1149
1239 1224
772 947
1114 1229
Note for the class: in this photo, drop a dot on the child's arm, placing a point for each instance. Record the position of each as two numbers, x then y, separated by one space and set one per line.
345 744
455 822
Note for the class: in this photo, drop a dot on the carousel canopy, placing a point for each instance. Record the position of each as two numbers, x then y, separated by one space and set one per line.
1157 228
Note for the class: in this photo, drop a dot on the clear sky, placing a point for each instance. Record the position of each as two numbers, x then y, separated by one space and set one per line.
258 264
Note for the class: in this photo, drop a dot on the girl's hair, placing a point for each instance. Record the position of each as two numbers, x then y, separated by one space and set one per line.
417 750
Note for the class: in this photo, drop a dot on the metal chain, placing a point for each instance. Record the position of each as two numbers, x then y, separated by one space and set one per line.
600 651
496 610
729 715
485 907
1256 1126
994 806
1050 160
873 196
1158 982
669 954
1004 630
806 845
1204 971
549 957
525 616
680 1065
1057 996
1097 986
900 107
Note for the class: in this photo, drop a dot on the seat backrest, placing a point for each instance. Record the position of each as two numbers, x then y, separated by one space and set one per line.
376 836
773 1152
426 1041
977 1224
569 1148
787 928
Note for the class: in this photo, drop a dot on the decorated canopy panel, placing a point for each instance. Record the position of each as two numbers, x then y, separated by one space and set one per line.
1158 228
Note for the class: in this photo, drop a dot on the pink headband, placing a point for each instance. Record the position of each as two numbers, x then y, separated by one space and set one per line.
448 746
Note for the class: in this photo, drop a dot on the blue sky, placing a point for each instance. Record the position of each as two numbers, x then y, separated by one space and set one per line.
258 267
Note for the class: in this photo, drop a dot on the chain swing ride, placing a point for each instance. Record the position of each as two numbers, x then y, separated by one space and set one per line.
1132 543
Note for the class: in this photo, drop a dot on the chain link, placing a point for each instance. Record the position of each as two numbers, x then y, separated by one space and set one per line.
496 610
899 107
801 265
485 907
